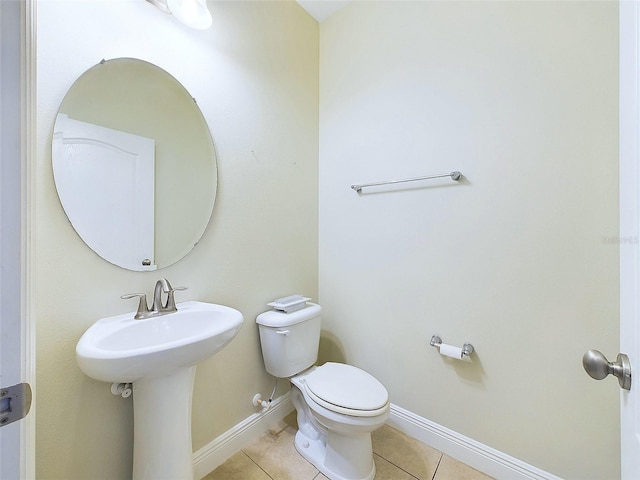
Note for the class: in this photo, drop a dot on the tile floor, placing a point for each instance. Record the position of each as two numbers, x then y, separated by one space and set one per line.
397 457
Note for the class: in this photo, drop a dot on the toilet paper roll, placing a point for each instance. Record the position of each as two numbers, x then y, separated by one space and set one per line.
451 351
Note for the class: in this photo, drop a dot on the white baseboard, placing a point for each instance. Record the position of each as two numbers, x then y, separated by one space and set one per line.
475 454
215 453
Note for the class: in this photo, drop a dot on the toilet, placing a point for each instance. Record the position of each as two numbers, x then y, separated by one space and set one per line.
337 405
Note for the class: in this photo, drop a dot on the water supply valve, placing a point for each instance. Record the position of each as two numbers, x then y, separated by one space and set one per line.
123 389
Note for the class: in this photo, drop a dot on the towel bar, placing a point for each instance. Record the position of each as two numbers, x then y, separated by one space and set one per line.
454 176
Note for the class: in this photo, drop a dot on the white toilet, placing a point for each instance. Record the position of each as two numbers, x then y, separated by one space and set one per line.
338 405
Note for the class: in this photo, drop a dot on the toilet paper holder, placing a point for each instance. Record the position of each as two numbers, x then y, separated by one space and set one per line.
467 348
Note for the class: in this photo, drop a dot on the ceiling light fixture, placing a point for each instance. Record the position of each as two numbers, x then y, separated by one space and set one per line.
193 13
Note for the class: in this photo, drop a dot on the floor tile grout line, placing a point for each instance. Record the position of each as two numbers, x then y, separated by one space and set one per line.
437 467
318 472
258 465
397 466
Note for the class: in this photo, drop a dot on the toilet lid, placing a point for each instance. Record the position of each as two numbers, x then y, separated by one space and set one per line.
338 387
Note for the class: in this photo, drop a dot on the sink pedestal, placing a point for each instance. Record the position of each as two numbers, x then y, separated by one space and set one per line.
162 426
158 355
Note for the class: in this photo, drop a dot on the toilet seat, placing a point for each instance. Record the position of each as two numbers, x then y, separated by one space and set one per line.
347 390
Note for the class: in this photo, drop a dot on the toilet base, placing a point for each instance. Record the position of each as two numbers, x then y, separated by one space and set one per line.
315 452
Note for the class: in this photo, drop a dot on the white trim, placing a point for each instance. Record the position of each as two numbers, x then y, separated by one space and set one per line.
29 140
473 453
629 244
215 453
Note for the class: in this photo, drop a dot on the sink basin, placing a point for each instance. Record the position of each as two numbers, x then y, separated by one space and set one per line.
123 349
158 356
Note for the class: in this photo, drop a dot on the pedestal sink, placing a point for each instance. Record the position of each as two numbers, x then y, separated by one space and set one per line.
158 356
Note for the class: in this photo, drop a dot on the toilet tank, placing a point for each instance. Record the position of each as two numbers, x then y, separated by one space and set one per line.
289 340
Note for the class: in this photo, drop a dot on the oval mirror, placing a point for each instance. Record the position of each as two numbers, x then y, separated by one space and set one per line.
134 164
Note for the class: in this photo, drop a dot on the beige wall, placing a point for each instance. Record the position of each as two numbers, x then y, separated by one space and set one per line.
522 98
255 76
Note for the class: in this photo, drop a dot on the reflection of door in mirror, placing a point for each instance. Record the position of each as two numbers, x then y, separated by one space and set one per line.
106 186
133 96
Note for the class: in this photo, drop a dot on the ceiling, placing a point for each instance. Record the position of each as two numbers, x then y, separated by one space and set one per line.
322 9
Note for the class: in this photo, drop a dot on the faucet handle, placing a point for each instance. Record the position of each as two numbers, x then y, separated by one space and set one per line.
143 308
171 301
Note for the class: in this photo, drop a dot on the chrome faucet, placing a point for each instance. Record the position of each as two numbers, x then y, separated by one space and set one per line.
163 285
158 308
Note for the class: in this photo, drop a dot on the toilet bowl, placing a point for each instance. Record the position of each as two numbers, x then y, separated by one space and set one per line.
337 405
336 438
